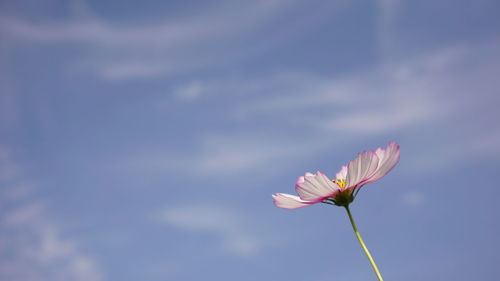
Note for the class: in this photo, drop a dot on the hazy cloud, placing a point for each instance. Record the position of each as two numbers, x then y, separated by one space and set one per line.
411 96
189 92
412 198
38 251
230 227
32 245
120 51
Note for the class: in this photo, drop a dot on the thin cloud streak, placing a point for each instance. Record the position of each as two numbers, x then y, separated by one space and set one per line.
120 52
412 199
234 235
38 250
410 98
32 244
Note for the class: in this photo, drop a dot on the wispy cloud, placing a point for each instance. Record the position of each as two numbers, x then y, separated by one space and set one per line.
9 115
387 16
32 245
189 92
411 98
462 149
412 198
384 98
38 251
415 96
226 154
8 168
118 51
231 228
130 69
375 101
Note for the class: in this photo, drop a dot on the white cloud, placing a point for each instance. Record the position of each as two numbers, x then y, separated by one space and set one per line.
32 245
119 71
231 229
120 51
18 190
37 250
189 92
9 169
374 102
9 115
85 269
466 148
24 214
486 144
412 198
397 114
222 155
414 98
225 154
388 11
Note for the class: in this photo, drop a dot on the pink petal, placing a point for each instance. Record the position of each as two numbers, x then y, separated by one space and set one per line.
361 168
315 187
342 174
287 201
388 158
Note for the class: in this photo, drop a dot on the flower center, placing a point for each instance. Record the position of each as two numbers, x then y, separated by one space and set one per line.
340 182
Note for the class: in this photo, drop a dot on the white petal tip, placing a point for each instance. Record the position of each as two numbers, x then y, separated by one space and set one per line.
287 201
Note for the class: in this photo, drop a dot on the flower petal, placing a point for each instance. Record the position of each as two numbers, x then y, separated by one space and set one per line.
388 158
342 174
287 201
361 168
315 187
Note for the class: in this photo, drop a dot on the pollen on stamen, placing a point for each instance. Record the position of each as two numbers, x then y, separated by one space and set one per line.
340 182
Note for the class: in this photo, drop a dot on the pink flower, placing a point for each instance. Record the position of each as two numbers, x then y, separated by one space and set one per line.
367 167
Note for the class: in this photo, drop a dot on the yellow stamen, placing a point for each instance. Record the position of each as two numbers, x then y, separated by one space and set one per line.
340 182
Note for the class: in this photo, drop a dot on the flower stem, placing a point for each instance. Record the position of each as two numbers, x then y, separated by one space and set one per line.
372 262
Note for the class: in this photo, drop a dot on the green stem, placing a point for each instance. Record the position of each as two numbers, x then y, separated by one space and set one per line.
372 262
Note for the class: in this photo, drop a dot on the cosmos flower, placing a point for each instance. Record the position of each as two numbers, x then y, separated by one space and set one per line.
367 167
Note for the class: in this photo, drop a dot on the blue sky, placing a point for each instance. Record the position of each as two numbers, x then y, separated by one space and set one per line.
143 141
